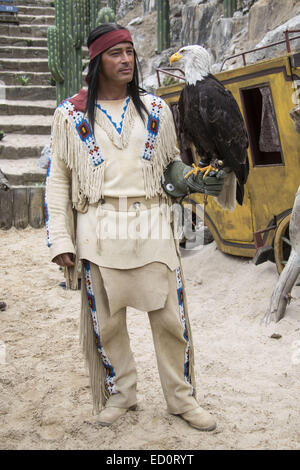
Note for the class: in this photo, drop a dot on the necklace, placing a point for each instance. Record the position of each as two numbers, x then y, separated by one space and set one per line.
119 126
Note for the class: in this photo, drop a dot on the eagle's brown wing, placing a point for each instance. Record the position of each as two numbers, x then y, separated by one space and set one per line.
212 121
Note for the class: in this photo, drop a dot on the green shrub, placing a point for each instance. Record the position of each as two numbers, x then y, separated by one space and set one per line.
23 80
170 81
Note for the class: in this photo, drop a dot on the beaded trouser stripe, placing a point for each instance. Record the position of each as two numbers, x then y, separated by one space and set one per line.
110 385
187 371
46 206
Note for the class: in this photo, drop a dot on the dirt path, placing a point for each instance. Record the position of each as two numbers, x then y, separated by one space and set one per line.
249 381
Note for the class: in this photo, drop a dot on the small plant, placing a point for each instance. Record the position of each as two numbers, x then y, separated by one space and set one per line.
1 134
29 42
84 64
23 80
170 81
52 81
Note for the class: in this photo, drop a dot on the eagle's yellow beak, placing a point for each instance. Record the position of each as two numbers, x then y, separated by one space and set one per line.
175 57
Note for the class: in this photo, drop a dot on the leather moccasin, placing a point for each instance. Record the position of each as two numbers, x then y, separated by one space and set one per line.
109 415
200 419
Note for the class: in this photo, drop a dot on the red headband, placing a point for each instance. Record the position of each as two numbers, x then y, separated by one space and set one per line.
109 40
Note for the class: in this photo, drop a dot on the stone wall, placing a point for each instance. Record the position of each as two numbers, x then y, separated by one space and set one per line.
202 22
266 15
125 6
148 6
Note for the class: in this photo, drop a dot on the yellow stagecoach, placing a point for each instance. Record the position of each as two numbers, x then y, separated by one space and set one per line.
266 92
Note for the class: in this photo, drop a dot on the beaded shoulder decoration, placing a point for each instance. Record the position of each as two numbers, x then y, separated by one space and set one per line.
84 131
87 137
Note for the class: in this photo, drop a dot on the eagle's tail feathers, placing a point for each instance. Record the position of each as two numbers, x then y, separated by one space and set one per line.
239 193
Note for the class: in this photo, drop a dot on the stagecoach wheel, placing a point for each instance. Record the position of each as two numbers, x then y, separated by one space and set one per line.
282 244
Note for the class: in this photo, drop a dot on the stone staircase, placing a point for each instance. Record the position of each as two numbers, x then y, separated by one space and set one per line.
25 111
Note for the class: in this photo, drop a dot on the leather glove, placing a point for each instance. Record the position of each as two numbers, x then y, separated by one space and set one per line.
175 184
211 184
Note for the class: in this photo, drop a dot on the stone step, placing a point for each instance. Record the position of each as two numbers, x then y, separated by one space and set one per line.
23 52
35 10
23 172
24 65
19 146
35 78
26 124
11 108
22 42
30 31
32 3
8 13
8 18
36 20
35 92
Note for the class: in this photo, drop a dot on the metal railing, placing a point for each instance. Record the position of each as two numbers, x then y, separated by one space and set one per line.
168 72
286 41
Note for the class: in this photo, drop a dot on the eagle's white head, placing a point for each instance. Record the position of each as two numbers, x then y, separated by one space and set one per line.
197 62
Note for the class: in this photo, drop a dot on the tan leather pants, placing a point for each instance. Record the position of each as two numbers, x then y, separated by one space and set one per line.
171 336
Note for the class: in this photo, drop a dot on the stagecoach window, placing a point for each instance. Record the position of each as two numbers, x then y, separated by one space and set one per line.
262 126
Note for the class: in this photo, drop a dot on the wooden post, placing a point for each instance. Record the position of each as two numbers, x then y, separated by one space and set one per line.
36 207
6 206
20 208
281 295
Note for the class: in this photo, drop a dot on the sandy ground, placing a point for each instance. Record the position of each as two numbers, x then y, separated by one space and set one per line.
248 380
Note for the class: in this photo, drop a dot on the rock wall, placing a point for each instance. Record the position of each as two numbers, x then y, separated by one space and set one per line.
266 15
197 22
277 35
125 6
251 26
149 6
255 23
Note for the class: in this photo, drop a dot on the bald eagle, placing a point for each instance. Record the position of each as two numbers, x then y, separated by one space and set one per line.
209 118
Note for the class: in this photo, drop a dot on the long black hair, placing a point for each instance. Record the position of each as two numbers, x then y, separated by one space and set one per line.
134 89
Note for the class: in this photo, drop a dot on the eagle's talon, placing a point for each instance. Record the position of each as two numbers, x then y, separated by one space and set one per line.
207 169
194 171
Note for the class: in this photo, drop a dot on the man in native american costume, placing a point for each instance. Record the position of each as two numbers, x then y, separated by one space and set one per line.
111 146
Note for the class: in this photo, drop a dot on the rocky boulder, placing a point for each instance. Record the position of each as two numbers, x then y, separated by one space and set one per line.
266 15
276 35
197 21
125 6
148 6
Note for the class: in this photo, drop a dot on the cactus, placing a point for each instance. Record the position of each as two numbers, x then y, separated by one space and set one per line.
93 9
229 8
65 40
163 25
113 5
106 15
